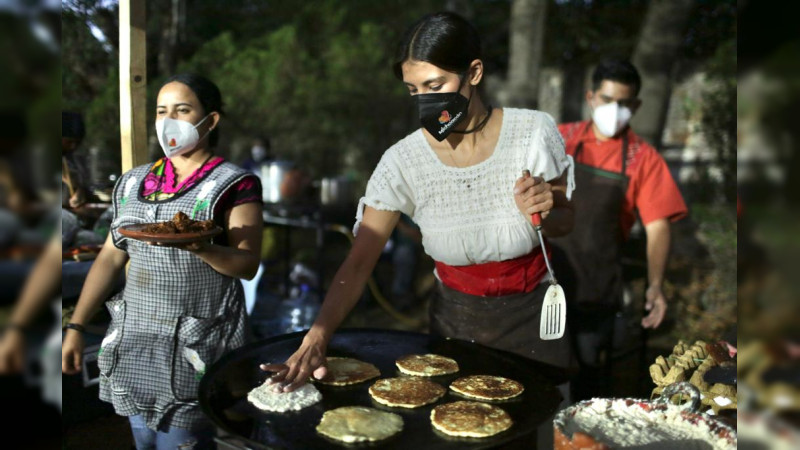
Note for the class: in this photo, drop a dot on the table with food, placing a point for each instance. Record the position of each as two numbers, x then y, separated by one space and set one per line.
692 406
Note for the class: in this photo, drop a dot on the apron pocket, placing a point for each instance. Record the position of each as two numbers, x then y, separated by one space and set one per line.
106 356
198 344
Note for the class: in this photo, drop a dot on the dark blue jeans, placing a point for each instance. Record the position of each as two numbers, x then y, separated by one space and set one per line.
171 438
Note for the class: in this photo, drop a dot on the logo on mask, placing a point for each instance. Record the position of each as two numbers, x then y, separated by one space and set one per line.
440 112
177 137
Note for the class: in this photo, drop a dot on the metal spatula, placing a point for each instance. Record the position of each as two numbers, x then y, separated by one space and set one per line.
554 307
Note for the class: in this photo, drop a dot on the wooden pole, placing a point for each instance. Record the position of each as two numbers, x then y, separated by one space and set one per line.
132 83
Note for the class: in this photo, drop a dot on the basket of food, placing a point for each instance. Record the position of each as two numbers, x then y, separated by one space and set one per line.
709 367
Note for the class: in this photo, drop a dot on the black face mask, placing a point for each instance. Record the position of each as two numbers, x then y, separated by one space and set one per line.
439 113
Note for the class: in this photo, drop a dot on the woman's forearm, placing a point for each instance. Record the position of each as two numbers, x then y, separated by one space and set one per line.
99 283
349 281
230 261
658 238
345 290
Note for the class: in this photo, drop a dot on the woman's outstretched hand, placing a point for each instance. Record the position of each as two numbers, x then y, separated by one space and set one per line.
308 360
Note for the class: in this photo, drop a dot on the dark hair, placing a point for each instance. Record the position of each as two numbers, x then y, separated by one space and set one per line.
443 39
619 70
208 94
264 139
72 125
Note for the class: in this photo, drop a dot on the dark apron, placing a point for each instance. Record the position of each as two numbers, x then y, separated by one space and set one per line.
588 260
509 322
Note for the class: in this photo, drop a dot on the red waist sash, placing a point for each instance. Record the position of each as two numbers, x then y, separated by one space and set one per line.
496 278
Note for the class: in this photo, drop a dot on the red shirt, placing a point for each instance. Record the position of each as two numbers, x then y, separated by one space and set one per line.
651 189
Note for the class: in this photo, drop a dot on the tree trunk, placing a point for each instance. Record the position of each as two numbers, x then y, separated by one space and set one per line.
171 35
574 86
655 53
525 52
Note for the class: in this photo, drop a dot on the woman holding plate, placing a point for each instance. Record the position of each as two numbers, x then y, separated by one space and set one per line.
183 305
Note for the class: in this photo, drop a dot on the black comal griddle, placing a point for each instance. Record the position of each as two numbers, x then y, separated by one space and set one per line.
224 388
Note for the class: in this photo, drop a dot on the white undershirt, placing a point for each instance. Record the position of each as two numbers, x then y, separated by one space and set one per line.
468 215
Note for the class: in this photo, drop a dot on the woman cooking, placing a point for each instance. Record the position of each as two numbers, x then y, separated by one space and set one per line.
459 178
182 306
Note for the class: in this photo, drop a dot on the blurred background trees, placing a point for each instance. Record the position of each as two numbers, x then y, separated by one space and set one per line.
316 75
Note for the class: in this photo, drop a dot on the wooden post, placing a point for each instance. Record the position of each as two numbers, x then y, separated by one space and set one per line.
132 83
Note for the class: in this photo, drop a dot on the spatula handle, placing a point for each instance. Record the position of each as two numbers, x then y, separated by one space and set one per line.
536 218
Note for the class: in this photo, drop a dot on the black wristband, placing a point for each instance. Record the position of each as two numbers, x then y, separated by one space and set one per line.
75 326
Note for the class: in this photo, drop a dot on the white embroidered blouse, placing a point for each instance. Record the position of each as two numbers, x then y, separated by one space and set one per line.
468 215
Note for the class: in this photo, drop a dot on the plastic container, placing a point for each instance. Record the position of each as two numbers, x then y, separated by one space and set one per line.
298 313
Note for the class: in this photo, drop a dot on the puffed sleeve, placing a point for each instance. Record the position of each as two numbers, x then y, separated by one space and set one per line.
126 186
388 189
548 158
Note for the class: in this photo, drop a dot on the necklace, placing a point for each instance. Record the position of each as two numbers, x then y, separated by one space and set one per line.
468 161
179 179
479 125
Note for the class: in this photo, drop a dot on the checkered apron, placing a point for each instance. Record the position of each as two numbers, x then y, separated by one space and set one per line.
176 315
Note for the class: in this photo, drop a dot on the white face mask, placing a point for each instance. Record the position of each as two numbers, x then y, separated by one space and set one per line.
258 152
611 118
177 136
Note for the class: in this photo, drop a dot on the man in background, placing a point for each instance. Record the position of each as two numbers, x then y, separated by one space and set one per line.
260 153
618 175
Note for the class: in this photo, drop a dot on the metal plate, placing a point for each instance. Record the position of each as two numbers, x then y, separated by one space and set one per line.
224 389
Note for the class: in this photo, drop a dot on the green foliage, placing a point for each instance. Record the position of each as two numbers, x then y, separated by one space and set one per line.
713 22
703 275
316 75
85 63
581 32
102 118
319 104
29 88
718 114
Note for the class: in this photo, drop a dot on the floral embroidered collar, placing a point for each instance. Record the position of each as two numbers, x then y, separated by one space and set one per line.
159 184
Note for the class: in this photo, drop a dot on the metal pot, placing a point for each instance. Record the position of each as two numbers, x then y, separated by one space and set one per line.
336 191
272 175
